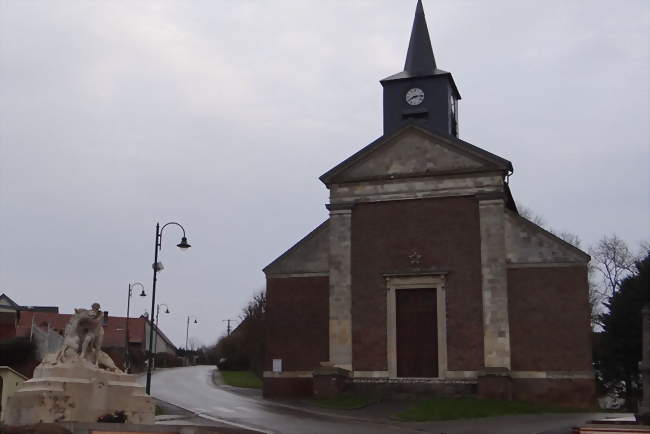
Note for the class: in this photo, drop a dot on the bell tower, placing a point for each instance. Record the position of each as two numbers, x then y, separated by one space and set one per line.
421 94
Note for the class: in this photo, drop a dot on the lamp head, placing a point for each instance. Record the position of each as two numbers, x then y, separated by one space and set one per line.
167 310
183 245
195 321
143 294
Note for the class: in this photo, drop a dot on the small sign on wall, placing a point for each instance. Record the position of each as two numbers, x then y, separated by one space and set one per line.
277 365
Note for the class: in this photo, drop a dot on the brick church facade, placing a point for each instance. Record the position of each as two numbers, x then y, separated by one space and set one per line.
425 277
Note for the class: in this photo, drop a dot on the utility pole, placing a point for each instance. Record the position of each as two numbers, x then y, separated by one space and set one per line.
228 327
187 335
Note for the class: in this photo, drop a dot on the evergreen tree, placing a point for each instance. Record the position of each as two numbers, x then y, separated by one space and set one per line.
619 352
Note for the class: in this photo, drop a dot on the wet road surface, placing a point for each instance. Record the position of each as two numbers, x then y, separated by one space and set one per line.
192 388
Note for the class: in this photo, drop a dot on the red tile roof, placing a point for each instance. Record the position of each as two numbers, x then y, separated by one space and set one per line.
114 330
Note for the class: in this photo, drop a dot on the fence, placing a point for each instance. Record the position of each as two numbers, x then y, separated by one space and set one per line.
47 341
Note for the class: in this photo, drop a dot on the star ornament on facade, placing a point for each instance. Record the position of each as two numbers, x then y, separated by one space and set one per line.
415 258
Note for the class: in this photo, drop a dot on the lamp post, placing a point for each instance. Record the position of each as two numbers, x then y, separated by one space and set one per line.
187 334
155 342
157 266
127 362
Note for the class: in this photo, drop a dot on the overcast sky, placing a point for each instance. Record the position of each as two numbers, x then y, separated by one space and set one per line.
221 115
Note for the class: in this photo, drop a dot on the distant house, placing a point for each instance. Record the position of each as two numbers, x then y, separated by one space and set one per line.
8 305
10 313
49 324
9 382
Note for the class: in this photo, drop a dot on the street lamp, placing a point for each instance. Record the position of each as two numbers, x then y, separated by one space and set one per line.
157 266
187 334
155 343
127 362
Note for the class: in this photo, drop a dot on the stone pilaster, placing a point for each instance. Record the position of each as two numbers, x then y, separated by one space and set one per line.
340 281
644 367
496 327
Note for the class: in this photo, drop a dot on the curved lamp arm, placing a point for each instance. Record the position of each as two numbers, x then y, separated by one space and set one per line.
183 244
133 285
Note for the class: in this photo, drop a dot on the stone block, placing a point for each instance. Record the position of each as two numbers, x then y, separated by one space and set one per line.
495 383
330 381
78 392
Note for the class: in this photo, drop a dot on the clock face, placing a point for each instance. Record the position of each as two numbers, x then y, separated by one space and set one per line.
415 96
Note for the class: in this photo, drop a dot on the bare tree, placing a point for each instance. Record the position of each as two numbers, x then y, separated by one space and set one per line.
256 307
644 249
614 260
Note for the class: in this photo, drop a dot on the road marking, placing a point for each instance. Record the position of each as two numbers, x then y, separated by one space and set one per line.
244 408
239 425
224 409
199 410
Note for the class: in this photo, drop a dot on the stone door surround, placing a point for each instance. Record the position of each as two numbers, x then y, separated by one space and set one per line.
415 281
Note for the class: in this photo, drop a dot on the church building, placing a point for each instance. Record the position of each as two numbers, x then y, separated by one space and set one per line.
425 277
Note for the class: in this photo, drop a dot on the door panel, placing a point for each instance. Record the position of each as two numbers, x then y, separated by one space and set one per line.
417 333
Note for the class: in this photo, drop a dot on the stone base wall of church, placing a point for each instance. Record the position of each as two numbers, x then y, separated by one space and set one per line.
417 386
569 392
579 393
287 387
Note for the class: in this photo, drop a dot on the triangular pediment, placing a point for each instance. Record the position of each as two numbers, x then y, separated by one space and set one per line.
527 243
413 152
309 255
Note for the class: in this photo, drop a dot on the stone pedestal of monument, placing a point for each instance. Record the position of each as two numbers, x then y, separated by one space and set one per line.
78 391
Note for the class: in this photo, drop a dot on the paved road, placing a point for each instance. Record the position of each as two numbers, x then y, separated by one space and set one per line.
192 388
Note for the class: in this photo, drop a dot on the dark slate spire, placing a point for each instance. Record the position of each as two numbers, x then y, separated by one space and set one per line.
421 94
419 58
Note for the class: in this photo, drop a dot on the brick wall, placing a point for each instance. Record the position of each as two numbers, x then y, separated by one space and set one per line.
287 387
549 319
446 233
298 322
7 325
573 393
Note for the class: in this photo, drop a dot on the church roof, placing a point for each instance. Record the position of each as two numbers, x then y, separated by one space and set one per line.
420 61
497 162
309 255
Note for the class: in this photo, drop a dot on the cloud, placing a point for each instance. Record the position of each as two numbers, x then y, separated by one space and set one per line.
222 114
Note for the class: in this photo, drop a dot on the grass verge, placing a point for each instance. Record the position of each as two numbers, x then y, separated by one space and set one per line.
344 402
241 379
469 408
